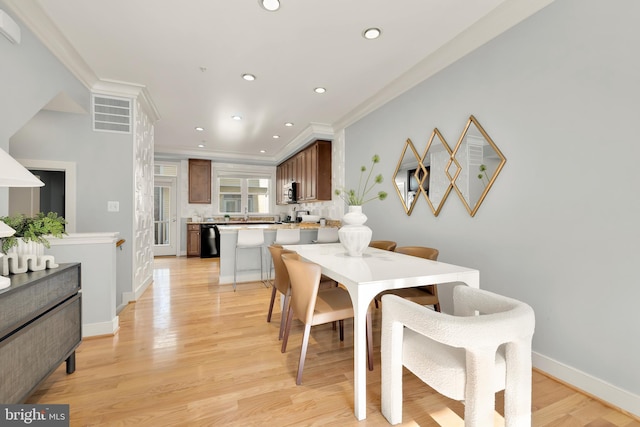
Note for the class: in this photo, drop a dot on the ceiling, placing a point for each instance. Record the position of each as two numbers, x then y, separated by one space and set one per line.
189 57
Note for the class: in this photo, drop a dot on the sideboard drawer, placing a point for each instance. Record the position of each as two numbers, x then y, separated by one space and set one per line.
35 292
33 352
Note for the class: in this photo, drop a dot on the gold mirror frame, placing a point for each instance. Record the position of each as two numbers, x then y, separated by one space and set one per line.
480 167
435 168
402 179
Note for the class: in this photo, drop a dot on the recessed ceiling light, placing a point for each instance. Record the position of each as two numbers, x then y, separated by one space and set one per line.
200 145
371 33
270 5
236 117
262 151
288 124
249 77
199 129
319 90
276 136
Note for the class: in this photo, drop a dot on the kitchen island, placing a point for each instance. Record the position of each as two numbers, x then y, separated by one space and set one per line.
249 261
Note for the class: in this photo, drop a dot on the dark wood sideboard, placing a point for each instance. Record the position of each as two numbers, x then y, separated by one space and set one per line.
40 327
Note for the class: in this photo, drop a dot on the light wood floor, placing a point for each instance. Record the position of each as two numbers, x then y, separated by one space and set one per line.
192 352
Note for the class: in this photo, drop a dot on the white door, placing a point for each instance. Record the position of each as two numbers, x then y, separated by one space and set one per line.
164 217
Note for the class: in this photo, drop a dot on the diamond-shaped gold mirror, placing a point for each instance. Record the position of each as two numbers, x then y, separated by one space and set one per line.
480 161
437 182
408 175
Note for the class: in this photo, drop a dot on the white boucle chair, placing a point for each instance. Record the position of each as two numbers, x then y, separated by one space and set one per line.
483 348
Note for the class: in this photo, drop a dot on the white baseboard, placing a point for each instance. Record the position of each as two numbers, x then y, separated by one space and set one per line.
596 387
102 328
142 288
128 297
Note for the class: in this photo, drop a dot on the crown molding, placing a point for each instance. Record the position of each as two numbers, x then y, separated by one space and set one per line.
499 20
311 133
34 17
128 90
161 153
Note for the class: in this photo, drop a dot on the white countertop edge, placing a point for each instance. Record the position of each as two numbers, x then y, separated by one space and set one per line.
266 227
85 238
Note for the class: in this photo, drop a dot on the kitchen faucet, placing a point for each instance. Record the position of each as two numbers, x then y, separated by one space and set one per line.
246 216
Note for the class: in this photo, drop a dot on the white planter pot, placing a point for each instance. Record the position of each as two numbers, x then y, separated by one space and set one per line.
27 248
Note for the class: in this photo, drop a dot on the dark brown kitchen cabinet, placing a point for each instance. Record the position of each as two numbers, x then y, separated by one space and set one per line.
199 181
299 173
279 185
311 169
193 239
316 178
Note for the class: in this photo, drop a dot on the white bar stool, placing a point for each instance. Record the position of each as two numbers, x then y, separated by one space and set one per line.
249 239
327 235
285 236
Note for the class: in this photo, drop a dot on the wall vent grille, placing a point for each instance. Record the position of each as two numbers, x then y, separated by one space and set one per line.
111 114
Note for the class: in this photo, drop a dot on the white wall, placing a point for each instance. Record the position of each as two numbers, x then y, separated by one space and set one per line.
559 95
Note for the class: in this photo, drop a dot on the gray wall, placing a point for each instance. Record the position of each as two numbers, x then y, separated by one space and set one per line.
559 95
30 76
104 172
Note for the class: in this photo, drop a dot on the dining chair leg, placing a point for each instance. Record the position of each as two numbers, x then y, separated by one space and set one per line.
273 298
369 341
287 328
303 352
341 323
283 317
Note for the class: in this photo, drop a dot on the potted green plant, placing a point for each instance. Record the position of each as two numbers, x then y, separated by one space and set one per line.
33 229
361 196
227 217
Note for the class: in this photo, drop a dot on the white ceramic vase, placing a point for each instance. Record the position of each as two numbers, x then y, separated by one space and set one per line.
354 235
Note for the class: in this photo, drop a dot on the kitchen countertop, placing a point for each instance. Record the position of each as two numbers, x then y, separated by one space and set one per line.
231 222
238 226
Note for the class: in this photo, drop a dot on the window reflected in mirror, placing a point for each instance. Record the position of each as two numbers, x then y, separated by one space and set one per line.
479 161
409 176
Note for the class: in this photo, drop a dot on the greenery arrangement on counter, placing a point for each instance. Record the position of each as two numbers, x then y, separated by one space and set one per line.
359 197
33 229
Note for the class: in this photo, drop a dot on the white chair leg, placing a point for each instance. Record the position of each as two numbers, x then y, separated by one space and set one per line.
479 402
517 393
391 369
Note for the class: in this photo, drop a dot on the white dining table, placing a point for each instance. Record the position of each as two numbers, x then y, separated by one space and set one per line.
365 277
